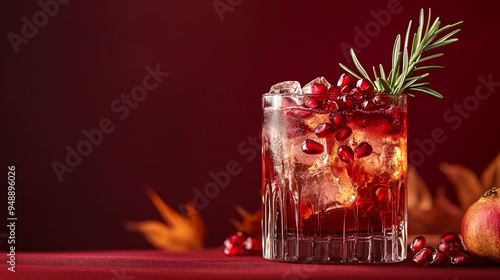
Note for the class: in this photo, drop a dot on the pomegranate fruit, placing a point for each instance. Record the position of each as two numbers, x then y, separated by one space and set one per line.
481 227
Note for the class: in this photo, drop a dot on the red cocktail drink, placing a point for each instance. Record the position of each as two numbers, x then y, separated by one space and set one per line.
334 177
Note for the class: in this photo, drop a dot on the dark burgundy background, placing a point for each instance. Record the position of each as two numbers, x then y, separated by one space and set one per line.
65 78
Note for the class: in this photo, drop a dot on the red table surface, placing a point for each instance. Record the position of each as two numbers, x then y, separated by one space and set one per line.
212 264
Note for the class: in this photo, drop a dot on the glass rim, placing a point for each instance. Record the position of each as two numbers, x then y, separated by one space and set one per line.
383 94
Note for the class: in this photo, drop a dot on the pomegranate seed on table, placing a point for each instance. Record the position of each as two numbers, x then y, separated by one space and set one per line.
252 244
363 150
235 251
417 244
312 147
324 130
346 154
424 256
450 237
439 258
343 133
234 244
460 259
451 249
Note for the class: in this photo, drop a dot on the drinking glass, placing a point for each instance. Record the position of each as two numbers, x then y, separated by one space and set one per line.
334 178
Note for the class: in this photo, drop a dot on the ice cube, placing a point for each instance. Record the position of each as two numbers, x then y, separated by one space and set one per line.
327 190
312 88
286 87
385 163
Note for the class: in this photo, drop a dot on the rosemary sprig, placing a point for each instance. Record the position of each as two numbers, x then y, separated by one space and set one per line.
402 78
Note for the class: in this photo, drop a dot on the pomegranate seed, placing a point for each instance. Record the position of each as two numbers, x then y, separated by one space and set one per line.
305 209
235 251
234 245
349 101
319 88
299 113
450 237
363 150
346 89
335 105
337 119
368 105
356 91
451 249
237 238
365 86
313 103
312 147
343 133
417 244
346 79
438 258
324 130
334 89
460 259
424 256
382 196
346 154
252 244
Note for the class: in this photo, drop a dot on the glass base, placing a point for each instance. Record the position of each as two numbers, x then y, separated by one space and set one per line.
336 249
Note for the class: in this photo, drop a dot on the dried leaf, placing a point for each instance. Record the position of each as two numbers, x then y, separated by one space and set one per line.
419 196
491 175
178 233
444 205
444 216
251 223
158 235
465 182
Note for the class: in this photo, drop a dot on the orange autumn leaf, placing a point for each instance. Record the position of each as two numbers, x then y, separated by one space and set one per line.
419 195
251 223
177 233
491 175
465 181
